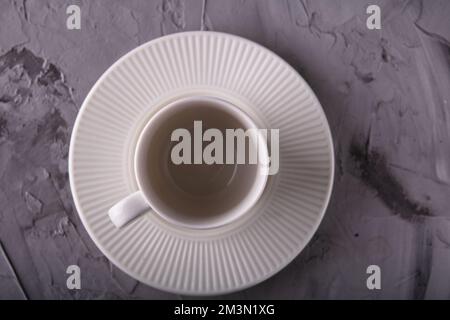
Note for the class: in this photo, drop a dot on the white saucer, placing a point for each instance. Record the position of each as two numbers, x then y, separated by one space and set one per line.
219 260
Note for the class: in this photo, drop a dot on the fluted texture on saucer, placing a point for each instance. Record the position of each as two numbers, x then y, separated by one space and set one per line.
225 259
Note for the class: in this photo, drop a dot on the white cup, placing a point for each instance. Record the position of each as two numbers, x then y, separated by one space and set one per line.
192 195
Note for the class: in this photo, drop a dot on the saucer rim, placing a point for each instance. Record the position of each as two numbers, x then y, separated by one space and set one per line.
244 285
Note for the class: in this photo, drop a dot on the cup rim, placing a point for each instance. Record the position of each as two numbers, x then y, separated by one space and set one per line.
231 215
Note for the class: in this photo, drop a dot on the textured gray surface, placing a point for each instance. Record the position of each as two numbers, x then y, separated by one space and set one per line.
386 94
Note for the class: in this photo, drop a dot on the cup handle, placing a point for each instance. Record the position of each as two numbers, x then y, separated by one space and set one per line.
128 209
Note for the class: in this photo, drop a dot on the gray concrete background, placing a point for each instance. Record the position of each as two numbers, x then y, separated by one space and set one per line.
386 94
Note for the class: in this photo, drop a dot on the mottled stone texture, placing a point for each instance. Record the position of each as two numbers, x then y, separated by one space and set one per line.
386 94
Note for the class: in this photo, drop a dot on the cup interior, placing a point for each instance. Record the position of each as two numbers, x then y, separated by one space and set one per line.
197 195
